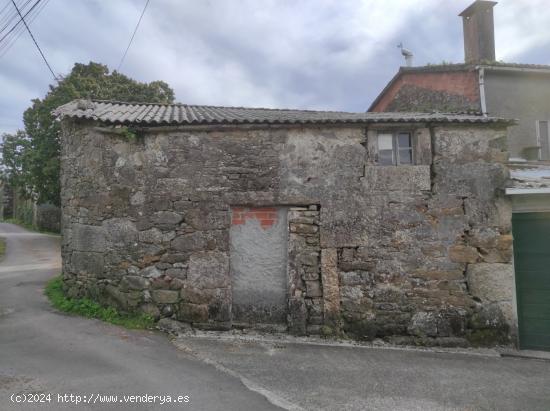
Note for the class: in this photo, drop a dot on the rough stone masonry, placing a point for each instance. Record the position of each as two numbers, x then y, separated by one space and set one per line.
411 253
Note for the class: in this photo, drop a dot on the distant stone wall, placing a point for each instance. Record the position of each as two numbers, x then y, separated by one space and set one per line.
45 217
48 218
416 254
7 201
411 97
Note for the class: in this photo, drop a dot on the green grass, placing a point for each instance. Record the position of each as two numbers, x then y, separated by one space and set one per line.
88 308
2 248
20 223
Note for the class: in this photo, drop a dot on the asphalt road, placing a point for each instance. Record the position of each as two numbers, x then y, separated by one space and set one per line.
336 377
43 351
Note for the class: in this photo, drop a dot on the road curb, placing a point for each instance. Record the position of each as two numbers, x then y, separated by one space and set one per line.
225 336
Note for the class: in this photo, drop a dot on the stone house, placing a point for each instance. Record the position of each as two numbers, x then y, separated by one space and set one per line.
480 84
520 91
390 225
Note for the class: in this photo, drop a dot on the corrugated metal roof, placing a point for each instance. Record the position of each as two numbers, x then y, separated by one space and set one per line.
144 114
529 175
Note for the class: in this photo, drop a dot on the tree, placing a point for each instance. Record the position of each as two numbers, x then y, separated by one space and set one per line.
39 154
13 158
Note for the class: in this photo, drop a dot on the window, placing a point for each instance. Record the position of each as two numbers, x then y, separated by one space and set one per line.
395 148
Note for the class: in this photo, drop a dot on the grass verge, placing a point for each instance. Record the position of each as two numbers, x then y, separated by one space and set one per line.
30 227
88 308
2 248
20 223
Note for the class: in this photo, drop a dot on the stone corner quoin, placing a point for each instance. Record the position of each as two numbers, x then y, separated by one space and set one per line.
409 253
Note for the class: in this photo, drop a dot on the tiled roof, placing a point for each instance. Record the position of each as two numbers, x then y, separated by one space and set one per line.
143 114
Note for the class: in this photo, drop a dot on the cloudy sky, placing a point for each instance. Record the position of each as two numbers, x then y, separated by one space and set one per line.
318 54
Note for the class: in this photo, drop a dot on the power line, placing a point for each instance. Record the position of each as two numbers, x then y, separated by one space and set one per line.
19 22
30 17
10 13
133 34
12 33
17 27
34 40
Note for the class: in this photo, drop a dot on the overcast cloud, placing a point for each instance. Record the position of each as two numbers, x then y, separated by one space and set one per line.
318 54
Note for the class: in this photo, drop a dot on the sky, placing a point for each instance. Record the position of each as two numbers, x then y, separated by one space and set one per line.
311 54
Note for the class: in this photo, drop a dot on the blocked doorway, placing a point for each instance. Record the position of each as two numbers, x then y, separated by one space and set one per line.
258 261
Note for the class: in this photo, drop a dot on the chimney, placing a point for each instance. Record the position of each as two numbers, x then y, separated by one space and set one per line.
479 32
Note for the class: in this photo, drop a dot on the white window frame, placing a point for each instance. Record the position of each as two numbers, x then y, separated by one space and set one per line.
539 142
395 147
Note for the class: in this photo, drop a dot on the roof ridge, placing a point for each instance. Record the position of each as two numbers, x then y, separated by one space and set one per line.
142 103
466 66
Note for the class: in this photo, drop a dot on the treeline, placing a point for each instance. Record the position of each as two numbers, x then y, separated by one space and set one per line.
30 157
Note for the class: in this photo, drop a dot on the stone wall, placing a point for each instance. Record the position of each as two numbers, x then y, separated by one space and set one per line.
44 217
411 97
411 253
7 201
304 269
47 217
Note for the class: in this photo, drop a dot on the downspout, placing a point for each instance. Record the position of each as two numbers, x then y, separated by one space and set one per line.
481 73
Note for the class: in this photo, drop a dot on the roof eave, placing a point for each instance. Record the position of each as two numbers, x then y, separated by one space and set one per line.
539 70
385 89
306 123
527 191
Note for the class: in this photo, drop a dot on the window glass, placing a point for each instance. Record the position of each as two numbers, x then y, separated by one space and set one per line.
385 157
405 156
385 142
404 140
385 149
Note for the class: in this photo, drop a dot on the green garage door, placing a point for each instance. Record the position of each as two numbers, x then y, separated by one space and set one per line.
532 264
